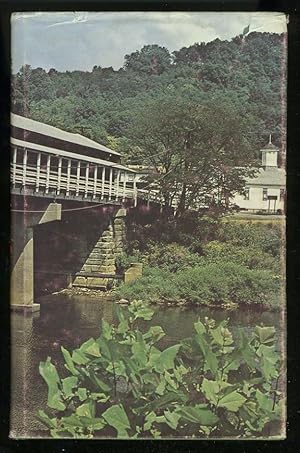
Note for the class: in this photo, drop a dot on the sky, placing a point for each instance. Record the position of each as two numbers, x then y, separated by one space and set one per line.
81 40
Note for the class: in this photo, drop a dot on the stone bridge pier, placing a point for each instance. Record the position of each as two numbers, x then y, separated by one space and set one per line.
99 267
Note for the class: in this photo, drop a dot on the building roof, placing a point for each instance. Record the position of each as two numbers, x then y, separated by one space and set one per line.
67 154
44 129
270 146
271 176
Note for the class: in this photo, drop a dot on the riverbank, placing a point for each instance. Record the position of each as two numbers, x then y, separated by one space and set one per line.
111 296
223 265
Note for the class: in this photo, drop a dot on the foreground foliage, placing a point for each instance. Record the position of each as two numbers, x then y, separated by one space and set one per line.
124 384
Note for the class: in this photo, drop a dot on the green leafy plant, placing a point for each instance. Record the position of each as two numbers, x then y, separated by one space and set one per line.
123 384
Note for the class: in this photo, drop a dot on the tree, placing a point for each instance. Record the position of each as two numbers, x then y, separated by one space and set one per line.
151 59
197 149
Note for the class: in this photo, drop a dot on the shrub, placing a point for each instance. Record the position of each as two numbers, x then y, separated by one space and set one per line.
123 262
155 285
212 284
251 257
173 257
123 385
224 283
191 230
266 237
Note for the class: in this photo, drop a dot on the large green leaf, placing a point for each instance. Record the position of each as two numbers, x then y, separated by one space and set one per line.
99 397
69 362
268 358
160 388
68 384
106 330
82 393
232 401
90 347
86 409
199 327
123 326
92 423
164 401
50 375
265 334
169 379
155 332
117 368
210 358
149 419
171 418
106 348
223 337
49 422
167 357
199 414
116 417
79 357
71 420
119 313
245 351
264 401
139 351
154 356
98 382
132 369
139 310
213 389
179 372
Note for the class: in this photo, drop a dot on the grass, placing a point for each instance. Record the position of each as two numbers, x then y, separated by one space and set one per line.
255 218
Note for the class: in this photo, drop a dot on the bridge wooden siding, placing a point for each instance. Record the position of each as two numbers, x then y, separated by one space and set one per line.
48 171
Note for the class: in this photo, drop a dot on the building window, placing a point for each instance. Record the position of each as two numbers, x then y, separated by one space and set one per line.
265 194
247 193
282 194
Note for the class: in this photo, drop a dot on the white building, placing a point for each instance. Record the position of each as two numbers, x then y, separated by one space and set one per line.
266 190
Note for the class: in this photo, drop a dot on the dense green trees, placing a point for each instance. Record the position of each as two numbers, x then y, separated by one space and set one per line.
195 115
248 69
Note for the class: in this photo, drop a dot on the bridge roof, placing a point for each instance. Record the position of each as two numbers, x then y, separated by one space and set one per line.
67 154
44 129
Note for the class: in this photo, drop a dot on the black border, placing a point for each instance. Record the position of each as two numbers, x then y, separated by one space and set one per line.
292 443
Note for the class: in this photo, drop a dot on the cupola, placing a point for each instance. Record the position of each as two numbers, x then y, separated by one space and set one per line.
269 154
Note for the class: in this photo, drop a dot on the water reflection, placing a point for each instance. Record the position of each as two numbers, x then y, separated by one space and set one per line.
69 322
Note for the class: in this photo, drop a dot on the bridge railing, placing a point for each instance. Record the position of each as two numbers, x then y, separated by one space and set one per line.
70 175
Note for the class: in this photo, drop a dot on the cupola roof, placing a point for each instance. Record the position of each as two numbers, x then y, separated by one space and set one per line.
270 146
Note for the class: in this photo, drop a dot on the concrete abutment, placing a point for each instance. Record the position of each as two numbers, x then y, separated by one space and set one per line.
22 253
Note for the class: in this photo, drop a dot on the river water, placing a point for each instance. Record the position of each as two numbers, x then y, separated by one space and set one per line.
68 322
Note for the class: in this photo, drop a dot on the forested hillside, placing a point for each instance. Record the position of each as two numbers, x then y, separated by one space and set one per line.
245 74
